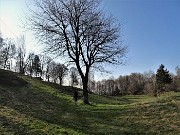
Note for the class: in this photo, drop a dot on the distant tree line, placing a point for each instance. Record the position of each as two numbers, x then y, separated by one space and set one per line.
45 68
138 83
13 56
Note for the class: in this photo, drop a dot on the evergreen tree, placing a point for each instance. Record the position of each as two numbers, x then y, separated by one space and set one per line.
162 78
36 65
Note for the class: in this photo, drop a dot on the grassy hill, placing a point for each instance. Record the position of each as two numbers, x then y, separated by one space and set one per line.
32 107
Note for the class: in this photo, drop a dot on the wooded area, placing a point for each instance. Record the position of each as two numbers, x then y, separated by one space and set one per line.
14 57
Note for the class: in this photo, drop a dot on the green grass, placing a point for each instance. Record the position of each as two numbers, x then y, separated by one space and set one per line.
32 107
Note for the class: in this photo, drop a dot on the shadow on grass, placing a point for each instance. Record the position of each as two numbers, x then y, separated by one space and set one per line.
117 100
11 127
52 108
10 79
46 104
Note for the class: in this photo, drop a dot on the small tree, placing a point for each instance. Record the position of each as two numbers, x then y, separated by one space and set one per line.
48 69
61 72
46 62
36 65
74 76
52 71
162 78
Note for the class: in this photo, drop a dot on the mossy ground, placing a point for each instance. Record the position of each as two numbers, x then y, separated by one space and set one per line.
32 107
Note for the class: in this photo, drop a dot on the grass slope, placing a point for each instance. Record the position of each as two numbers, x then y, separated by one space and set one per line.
32 107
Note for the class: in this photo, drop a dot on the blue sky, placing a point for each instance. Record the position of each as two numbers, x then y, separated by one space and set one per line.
151 29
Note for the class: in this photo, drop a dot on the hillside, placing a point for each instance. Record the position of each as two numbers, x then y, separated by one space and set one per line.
32 107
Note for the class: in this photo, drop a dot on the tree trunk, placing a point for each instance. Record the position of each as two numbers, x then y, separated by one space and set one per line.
5 64
60 80
22 71
85 91
85 82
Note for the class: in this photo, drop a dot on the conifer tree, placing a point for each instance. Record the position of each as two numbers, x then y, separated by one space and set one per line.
162 78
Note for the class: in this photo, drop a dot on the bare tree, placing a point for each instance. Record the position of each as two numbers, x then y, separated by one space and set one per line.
136 83
61 72
24 61
80 31
8 52
74 76
1 41
1 47
52 72
122 84
48 68
149 78
177 71
45 64
21 53
36 66
28 67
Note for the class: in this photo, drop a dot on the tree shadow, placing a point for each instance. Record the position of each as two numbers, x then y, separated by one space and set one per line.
10 79
56 107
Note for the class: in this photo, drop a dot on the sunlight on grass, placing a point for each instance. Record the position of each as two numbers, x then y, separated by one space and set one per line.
42 108
30 124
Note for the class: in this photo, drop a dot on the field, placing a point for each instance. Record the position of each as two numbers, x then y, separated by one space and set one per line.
31 107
